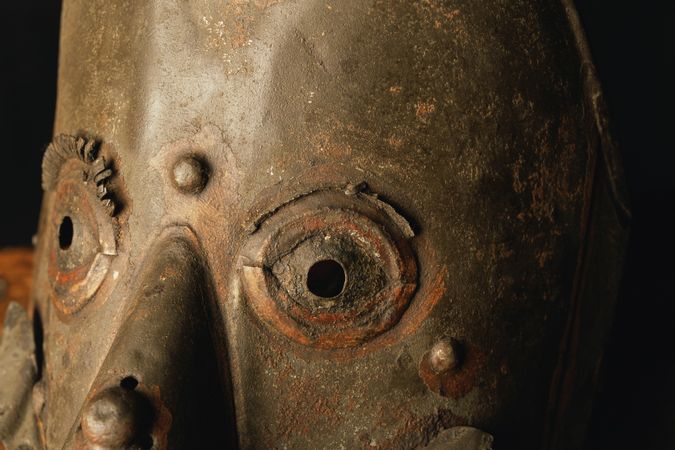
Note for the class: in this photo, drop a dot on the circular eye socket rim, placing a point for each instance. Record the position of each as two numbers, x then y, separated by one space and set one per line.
76 273
331 212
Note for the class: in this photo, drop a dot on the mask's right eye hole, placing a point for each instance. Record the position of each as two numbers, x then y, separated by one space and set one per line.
66 233
330 270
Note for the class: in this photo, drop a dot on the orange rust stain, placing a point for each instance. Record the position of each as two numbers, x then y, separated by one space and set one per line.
442 17
551 183
227 29
500 251
305 408
324 142
395 142
451 14
16 268
518 184
162 425
424 109
544 256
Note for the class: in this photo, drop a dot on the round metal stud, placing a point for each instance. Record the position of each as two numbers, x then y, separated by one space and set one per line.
444 356
190 175
112 418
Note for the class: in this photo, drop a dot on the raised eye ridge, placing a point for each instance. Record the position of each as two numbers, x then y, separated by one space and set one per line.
330 269
81 234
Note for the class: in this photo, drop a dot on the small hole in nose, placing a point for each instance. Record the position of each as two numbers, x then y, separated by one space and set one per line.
66 233
326 278
129 383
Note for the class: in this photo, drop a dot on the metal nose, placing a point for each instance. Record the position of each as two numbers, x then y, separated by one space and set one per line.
164 384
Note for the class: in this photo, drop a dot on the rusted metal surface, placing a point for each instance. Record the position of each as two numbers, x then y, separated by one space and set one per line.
462 438
358 224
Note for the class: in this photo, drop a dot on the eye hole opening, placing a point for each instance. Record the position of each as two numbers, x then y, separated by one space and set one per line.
66 231
326 278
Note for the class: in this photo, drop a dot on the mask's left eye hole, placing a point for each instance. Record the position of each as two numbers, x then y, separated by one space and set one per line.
81 235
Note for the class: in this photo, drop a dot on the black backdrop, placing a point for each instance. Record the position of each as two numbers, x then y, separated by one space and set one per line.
633 47
29 39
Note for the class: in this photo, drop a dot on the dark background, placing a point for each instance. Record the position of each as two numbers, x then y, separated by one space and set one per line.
632 45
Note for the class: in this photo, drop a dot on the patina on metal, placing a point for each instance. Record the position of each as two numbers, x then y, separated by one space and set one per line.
300 224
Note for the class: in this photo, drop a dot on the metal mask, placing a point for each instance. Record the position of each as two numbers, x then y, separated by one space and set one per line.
318 224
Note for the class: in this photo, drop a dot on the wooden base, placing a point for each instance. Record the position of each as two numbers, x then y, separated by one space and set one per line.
16 270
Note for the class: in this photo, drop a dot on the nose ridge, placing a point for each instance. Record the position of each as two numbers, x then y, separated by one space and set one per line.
164 363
